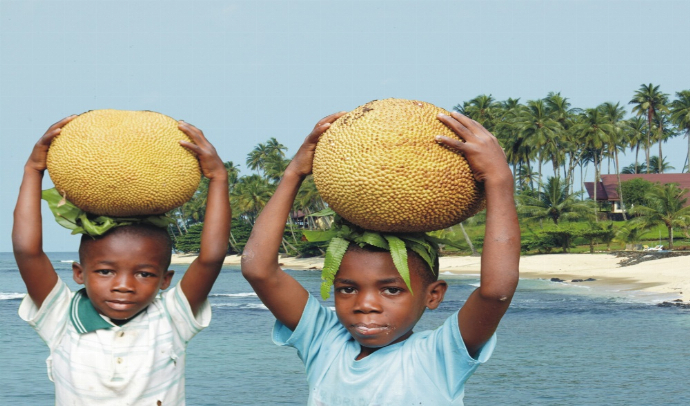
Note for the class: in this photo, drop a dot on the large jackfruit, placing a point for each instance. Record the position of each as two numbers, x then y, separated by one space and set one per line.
380 167
123 163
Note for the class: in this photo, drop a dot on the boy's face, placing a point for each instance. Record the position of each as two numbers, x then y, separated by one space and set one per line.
123 273
373 302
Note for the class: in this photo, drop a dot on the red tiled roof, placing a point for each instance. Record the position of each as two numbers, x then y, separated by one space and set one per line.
607 188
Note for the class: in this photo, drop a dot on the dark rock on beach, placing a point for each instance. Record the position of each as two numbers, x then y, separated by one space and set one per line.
675 303
557 280
635 257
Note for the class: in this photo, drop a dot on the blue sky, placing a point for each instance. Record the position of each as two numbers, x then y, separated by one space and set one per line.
245 71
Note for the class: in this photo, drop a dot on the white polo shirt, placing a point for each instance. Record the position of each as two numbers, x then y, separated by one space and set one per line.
94 362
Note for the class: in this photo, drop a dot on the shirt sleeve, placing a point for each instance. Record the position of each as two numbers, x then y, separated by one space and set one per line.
180 311
317 325
451 364
50 320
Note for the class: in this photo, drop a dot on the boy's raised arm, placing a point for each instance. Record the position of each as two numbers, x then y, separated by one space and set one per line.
479 317
281 293
27 233
202 273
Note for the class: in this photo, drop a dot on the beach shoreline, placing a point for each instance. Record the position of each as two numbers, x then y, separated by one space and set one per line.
663 279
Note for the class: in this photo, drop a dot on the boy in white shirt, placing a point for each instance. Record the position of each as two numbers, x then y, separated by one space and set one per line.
117 342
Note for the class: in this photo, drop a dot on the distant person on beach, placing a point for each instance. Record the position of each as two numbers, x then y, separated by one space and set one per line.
366 352
117 341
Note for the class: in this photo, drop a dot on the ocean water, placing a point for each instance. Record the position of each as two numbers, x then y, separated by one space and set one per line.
557 345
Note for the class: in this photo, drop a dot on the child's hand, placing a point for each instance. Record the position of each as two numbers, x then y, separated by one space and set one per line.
301 164
481 149
209 161
37 159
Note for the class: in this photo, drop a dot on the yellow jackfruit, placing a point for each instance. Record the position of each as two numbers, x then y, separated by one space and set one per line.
123 163
380 167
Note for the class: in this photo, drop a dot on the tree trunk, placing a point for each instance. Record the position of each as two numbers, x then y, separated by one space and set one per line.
539 183
233 242
292 223
670 237
582 184
469 242
687 159
661 134
620 187
649 135
529 170
289 245
596 185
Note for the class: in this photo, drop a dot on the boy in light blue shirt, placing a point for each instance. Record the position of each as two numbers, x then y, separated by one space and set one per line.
365 353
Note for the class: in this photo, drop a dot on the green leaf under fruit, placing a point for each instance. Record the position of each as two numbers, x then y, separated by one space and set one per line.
80 222
334 256
399 255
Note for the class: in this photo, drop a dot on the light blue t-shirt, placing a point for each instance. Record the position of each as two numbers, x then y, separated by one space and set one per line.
429 368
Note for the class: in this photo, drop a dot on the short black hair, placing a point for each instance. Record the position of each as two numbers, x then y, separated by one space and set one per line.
415 262
140 230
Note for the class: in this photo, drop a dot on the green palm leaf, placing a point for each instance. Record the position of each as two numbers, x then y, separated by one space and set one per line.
399 255
334 256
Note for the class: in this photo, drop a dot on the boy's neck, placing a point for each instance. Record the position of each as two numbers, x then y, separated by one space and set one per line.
365 351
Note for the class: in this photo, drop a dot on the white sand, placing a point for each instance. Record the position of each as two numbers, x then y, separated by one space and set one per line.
669 277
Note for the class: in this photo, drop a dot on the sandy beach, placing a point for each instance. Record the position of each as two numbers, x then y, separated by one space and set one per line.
669 278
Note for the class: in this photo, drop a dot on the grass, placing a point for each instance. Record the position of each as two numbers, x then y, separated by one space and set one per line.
656 236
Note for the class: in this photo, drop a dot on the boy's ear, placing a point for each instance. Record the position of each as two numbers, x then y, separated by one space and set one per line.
77 273
167 278
435 292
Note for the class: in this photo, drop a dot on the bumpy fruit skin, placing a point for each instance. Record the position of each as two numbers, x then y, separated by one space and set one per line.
123 163
380 167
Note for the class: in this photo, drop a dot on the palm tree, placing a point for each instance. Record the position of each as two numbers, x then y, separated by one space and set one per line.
482 109
250 195
257 157
680 116
663 130
273 147
553 203
518 152
233 173
541 131
656 167
274 167
594 131
633 169
617 140
635 129
647 100
664 206
560 108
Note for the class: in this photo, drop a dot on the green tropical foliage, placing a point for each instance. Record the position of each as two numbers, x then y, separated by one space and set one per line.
547 131
553 203
664 205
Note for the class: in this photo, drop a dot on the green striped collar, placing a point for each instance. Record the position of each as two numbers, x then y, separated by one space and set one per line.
84 316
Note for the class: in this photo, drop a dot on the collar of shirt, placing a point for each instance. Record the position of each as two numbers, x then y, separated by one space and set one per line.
84 316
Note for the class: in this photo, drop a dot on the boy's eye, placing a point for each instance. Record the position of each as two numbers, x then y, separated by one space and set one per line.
392 291
147 275
103 271
346 290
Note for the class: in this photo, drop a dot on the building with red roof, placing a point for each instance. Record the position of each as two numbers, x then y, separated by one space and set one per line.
607 188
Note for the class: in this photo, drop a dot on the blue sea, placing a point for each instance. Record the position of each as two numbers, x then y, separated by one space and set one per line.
558 344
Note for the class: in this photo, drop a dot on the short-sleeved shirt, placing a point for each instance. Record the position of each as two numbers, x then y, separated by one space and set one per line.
428 368
139 363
